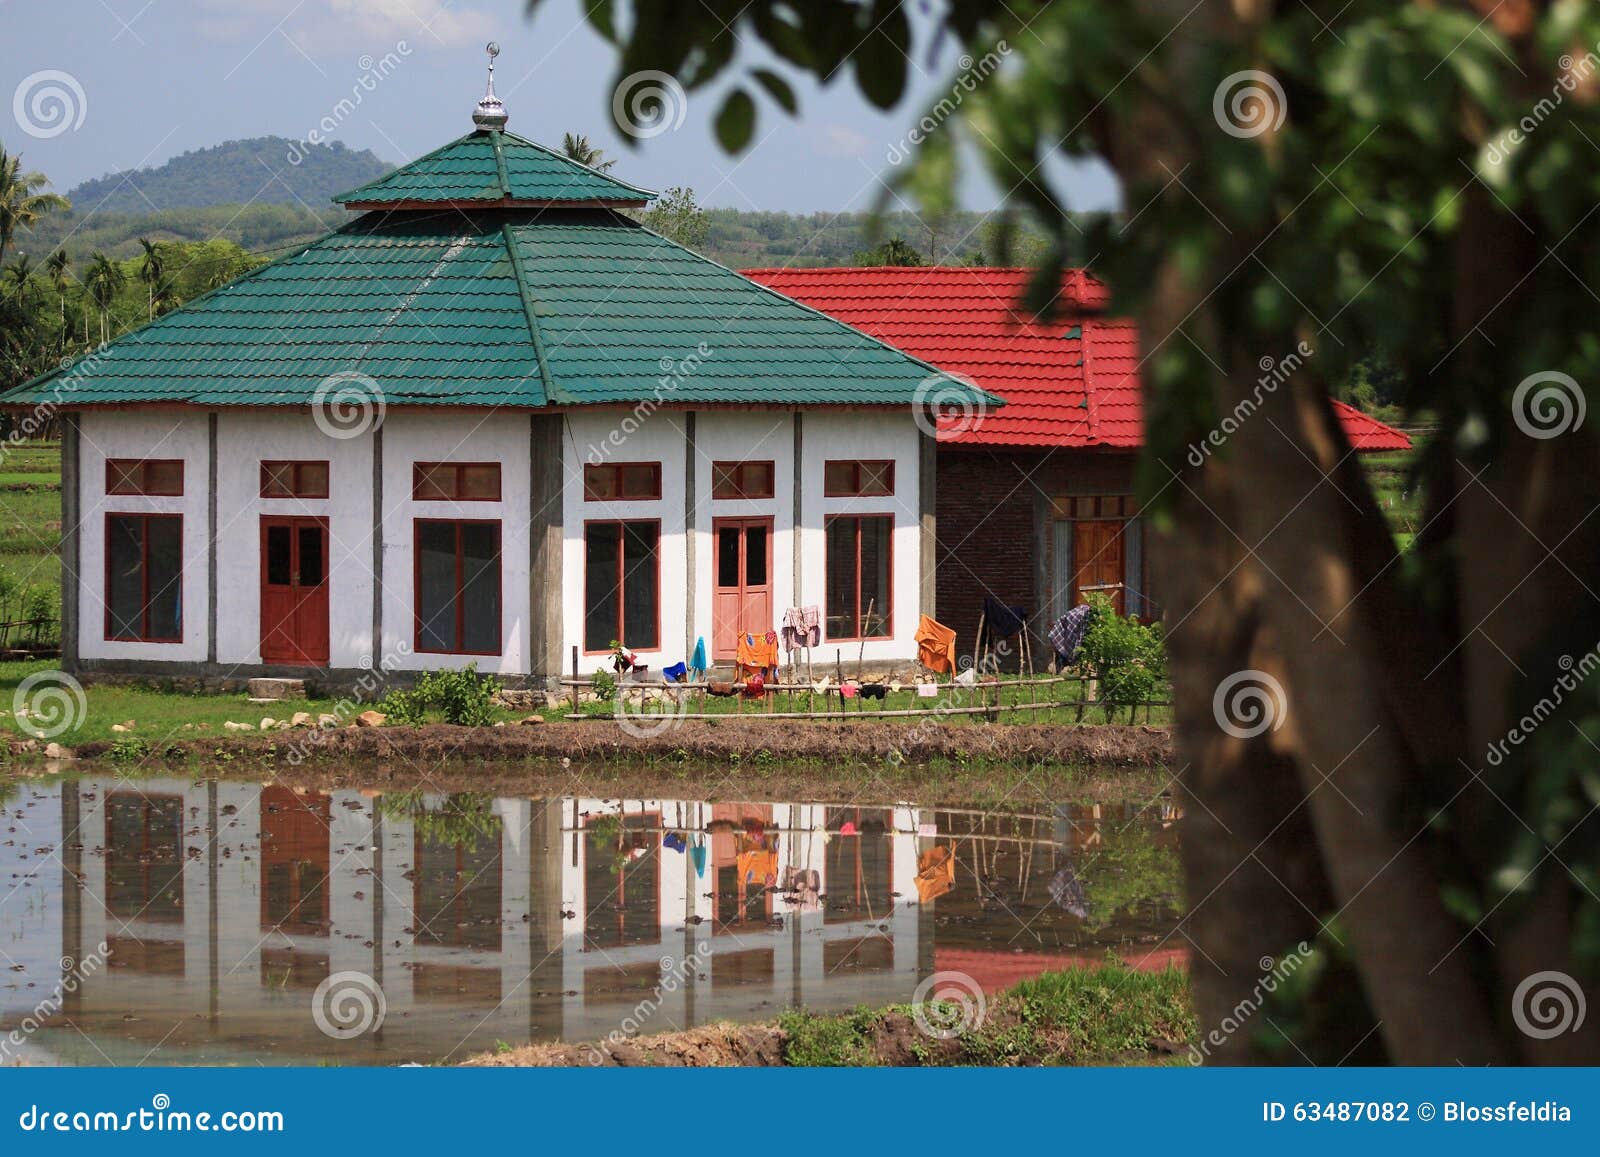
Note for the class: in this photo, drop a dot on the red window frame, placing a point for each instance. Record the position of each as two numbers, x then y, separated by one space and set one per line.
144 567
855 490
461 608
296 468
137 471
734 473
622 566
888 611
457 491
617 471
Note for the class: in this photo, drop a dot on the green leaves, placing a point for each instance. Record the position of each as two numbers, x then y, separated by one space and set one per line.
736 121
880 61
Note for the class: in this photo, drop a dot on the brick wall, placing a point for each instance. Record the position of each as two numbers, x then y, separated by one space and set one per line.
993 530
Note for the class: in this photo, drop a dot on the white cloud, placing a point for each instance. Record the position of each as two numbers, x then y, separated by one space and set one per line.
321 27
842 141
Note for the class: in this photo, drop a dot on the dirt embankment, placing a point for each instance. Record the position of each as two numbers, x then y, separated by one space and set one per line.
735 740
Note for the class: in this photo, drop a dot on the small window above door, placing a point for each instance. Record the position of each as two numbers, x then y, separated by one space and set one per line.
281 479
455 481
741 480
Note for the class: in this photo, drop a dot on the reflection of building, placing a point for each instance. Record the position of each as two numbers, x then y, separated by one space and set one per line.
225 905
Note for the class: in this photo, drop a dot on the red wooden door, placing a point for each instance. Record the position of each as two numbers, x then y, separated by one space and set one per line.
741 600
294 591
1097 560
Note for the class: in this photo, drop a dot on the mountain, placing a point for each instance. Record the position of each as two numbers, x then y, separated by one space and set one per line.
262 170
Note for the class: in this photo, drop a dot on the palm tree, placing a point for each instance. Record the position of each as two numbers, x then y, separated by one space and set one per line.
105 279
151 273
21 201
576 146
55 267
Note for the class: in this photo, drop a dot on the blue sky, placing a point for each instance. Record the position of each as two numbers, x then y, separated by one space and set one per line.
160 77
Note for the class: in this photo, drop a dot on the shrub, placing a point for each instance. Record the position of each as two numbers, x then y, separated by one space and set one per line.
1128 657
605 686
463 697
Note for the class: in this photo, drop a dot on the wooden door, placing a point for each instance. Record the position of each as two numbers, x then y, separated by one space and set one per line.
1097 559
294 591
741 600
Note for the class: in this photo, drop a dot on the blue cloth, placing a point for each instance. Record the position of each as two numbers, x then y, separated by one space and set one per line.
676 673
675 841
698 855
1068 631
698 661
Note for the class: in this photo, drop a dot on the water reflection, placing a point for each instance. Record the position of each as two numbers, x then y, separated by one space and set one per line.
224 905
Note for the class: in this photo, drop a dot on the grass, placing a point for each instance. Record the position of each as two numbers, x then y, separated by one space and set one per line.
1111 1014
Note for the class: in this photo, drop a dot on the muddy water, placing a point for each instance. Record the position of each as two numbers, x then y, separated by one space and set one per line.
174 921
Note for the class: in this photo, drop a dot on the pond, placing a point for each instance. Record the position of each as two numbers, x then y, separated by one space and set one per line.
176 921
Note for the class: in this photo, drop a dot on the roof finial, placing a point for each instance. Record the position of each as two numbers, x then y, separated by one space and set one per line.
491 112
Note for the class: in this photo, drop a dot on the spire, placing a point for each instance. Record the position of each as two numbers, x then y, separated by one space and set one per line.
491 112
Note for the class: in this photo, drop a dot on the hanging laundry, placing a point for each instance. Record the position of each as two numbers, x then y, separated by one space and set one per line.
848 828
927 690
1067 632
802 627
758 866
698 660
755 686
676 673
1001 621
936 645
675 841
872 690
758 651
968 678
936 873
698 855
720 688
803 887
822 685
849 690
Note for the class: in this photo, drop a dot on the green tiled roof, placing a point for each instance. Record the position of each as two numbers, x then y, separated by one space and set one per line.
489 165
514 307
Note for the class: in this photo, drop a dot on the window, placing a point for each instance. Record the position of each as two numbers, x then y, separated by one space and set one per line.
621 585
1097 506
458 587
455 481
741 480
144 577
294 480
858 604
626 481
152 476
851 479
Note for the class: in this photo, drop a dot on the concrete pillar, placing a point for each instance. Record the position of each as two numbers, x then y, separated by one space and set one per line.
71 533
377 547
927 479
547 477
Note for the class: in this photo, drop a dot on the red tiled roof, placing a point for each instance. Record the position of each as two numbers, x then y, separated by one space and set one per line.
1073 382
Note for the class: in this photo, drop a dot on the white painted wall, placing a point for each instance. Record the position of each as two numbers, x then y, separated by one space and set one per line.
875 436
142 434
246 437
593 437
494 436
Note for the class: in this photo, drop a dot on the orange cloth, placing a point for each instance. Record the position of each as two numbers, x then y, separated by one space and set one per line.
755 651
936 645
936 873
758 866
